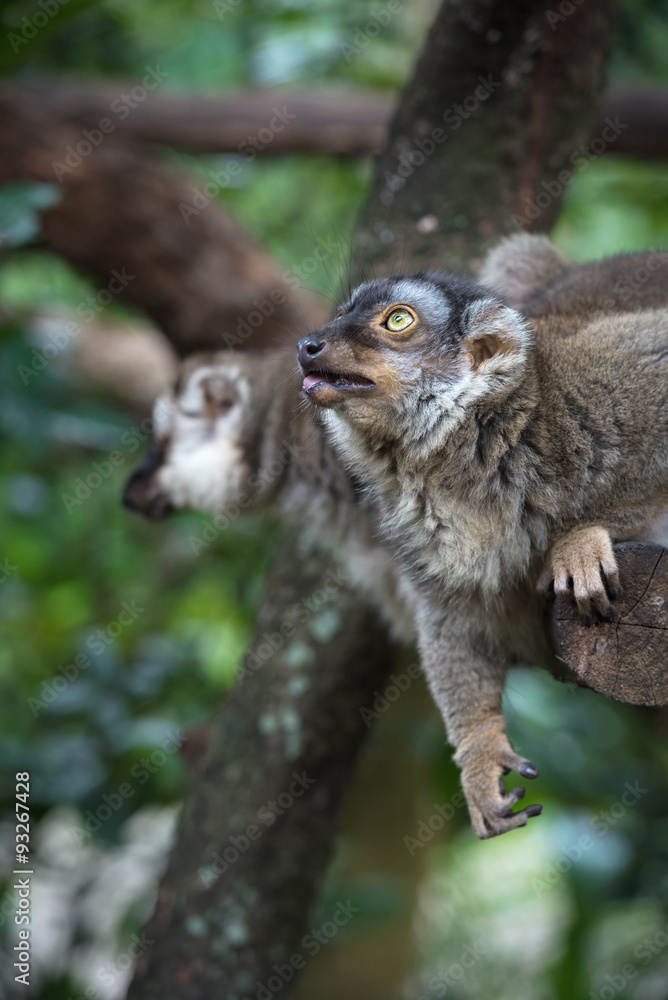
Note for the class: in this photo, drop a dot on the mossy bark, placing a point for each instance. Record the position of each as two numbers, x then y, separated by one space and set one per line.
485 137
259 821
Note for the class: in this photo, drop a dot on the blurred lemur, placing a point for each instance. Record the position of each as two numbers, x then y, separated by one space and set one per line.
234 434
507 432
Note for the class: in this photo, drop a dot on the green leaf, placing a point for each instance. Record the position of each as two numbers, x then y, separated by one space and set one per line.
20 205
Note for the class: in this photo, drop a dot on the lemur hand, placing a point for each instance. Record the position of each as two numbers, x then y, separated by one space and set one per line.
484 759
583 564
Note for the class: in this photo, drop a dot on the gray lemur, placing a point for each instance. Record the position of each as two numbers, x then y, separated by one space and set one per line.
508 431
233 435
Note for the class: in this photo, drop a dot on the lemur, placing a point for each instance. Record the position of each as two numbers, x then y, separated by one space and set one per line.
508 431
233 434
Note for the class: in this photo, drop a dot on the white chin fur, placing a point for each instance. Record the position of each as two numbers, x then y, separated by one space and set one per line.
205 467
163 416
206 478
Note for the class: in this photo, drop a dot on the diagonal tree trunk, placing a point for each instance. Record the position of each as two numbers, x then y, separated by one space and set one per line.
257 827
501 98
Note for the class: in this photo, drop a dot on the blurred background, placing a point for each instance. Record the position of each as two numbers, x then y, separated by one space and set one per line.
557 914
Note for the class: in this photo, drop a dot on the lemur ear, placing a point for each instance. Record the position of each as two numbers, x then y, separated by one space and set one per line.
220 394
493 330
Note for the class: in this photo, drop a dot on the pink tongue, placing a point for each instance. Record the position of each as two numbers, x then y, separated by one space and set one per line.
312 380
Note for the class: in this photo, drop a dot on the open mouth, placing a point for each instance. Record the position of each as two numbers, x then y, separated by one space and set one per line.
337 380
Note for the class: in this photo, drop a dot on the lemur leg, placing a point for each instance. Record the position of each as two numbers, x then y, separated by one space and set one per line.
582 562
466 681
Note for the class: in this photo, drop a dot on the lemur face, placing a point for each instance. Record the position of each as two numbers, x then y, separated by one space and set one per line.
401 340
196 459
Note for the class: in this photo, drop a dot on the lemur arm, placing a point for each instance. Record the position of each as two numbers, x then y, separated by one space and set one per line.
466 680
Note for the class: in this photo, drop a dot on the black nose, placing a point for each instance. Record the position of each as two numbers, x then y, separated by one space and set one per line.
141 493
143 496
309 348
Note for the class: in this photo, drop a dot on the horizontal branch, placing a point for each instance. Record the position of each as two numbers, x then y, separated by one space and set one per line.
625 659
272 123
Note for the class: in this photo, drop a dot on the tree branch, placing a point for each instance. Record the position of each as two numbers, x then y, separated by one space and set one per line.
497 105
351 123
122 219
624 659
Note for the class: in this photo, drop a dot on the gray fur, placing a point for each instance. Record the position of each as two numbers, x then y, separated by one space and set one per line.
264 449
496 441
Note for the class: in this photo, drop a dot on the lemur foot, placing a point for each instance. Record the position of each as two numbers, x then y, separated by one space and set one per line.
483 760
582 563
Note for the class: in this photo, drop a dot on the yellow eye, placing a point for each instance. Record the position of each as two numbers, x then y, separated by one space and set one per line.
399 320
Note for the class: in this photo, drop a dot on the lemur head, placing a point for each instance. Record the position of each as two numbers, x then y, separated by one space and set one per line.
200 457
406 356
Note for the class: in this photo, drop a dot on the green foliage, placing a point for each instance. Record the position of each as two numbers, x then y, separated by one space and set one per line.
72 561
77 561
642 44
615 205
20 205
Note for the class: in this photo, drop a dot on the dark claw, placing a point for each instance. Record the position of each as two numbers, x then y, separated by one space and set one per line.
611 613
502 787
518 792
589 620
533 810
528 770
